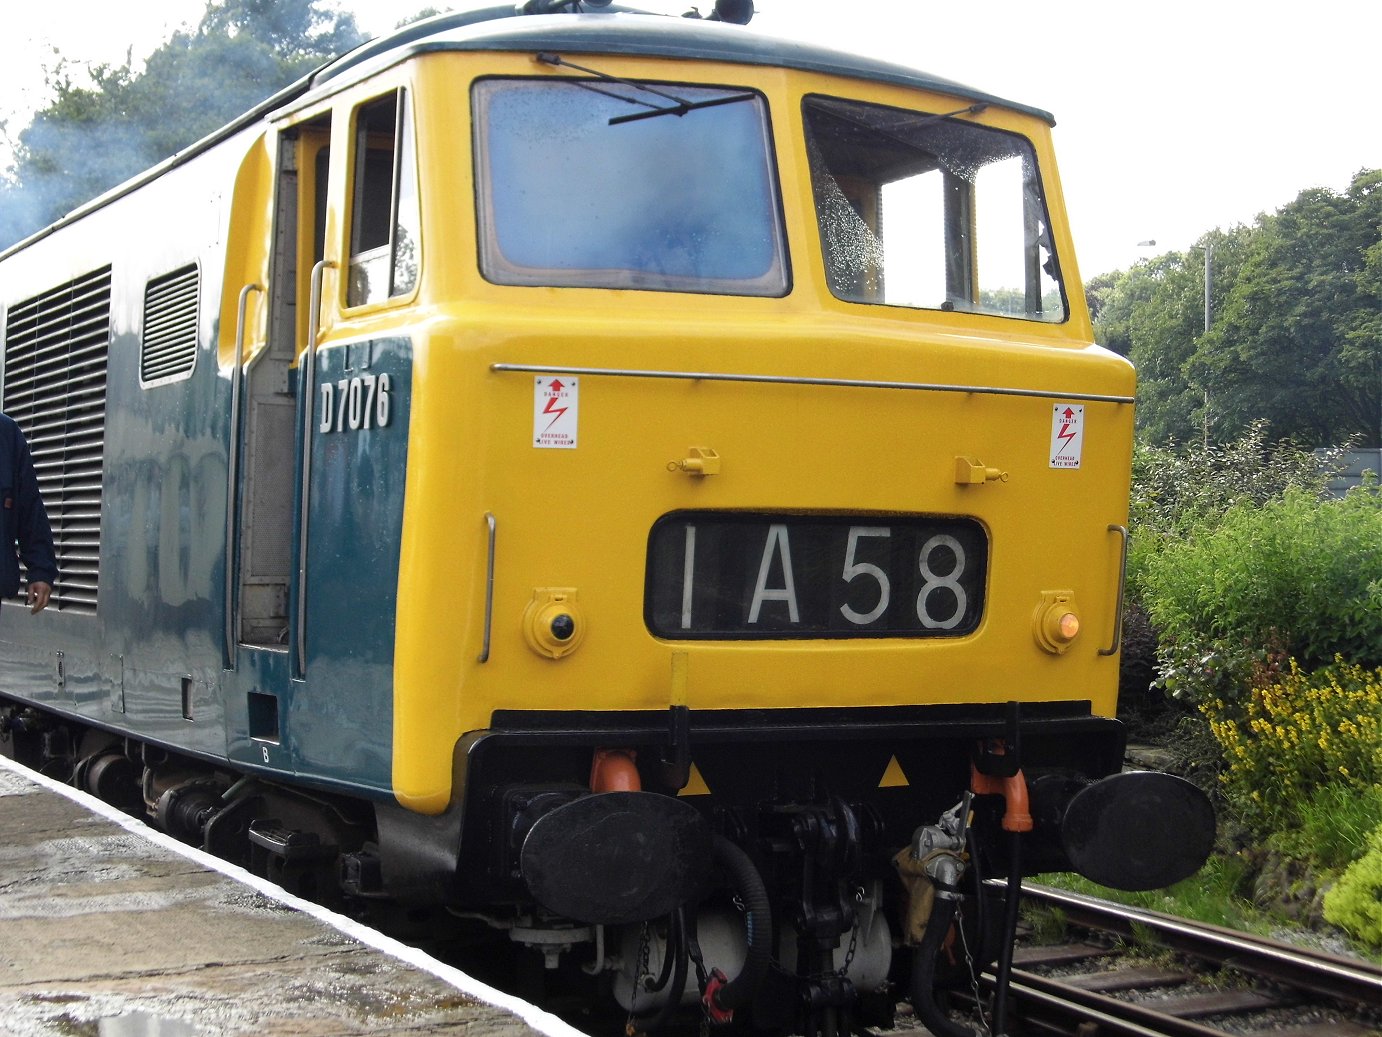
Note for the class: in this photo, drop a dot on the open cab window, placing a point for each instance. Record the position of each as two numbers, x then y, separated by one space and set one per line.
572 192
384 246
930 211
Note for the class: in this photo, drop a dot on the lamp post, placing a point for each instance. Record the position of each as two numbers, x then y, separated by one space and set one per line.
1208 249
1208 281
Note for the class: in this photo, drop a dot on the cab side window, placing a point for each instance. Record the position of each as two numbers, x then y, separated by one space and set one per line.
384 246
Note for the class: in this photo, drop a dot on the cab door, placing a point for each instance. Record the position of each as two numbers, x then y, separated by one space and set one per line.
353 383
274 307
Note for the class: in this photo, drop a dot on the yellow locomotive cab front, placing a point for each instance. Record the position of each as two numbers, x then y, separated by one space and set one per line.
596 428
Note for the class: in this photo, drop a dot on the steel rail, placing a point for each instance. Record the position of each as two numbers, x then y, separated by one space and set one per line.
1060 1008
1318 972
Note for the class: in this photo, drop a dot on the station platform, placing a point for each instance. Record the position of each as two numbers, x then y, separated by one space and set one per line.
110 929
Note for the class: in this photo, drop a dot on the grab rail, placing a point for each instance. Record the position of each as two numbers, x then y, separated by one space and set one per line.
307 375
1122 531
233 465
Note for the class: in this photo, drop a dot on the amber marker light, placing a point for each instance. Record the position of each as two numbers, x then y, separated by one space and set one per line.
1056 622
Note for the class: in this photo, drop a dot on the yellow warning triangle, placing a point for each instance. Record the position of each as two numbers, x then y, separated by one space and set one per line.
893 776
695 784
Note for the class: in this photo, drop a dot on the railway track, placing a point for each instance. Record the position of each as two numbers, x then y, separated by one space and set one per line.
1260 986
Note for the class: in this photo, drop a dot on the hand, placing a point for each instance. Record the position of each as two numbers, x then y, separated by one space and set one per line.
38 596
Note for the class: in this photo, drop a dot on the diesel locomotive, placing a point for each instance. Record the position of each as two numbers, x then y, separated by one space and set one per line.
627 485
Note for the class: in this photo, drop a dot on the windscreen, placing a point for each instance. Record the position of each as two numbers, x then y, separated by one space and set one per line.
931 211
573 192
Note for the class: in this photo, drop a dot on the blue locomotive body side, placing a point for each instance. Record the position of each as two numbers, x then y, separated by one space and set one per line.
137 639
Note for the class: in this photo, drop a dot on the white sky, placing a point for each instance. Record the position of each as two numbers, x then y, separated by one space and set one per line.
1172 116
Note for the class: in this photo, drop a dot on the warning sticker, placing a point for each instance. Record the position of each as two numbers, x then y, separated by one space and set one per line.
1067 435
555 403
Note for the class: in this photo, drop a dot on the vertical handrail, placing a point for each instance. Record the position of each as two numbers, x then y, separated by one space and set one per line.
1122 531
233 465
490 524
307 376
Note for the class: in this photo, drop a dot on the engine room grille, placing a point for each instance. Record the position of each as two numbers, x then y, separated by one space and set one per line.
56 346
169 348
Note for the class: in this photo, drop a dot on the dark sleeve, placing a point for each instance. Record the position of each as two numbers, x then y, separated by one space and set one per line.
35 534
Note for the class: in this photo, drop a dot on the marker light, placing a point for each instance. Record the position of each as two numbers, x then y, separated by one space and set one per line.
1056 622
553 624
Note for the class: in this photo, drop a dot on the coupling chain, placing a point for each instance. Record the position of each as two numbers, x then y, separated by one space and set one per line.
640 977
843 970
973 972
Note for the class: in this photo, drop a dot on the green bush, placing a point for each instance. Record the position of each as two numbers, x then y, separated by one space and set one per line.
1296 571
1181 491
1177 488
1354 903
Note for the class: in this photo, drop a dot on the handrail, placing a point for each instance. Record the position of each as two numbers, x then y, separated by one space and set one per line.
490 524
307 373
773 379
1122 531
232 474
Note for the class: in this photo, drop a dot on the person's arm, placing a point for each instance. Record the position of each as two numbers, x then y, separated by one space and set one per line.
39 593
35 532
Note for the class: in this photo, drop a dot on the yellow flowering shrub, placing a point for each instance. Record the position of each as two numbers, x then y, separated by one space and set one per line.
1293 732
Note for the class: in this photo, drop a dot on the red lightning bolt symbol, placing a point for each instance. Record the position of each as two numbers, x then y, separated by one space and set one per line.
1067 431
552 407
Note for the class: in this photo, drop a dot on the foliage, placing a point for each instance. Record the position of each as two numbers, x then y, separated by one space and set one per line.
1298 292
1242 563
1297 571
1355 901
1295 731
1333 825
106 123
1305 301
1178 491
1176 488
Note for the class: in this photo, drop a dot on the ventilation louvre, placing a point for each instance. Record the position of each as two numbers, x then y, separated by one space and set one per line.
169 348
56 346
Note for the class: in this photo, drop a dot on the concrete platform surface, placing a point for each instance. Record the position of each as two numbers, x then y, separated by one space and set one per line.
108 929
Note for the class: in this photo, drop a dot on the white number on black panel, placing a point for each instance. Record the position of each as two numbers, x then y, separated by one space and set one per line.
352 404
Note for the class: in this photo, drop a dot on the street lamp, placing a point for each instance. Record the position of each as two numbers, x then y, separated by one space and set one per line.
1208 280
1208 249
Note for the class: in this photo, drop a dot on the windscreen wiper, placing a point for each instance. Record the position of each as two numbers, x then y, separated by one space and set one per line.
680 105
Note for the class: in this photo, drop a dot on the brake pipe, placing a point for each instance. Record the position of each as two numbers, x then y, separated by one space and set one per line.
722 996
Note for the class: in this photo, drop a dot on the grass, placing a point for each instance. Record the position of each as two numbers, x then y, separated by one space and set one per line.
1213 896
1335 823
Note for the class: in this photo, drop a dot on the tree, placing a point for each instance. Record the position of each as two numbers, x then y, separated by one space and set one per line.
107 123
1295 337
1298 338
1154 315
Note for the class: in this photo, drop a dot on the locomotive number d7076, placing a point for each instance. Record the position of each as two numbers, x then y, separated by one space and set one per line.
734 576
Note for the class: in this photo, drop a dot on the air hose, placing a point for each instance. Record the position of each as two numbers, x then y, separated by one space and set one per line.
924 973
723 996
